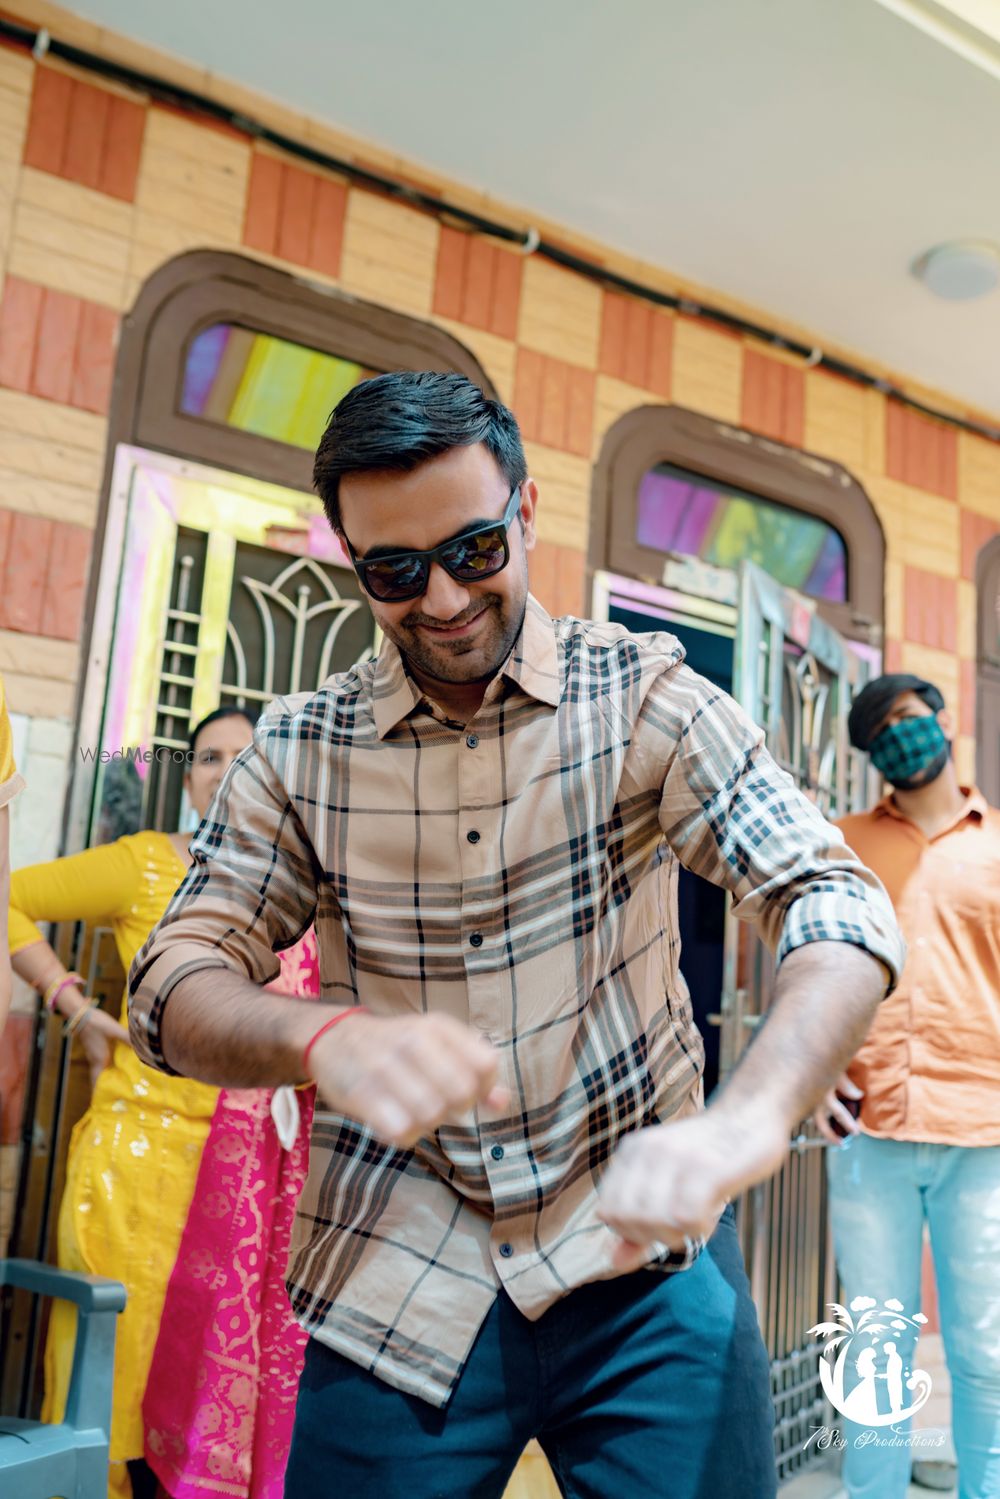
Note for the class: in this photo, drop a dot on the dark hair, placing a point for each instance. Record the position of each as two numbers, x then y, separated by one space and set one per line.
396 422
228 710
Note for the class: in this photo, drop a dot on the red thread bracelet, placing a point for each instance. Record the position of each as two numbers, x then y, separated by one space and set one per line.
354 1010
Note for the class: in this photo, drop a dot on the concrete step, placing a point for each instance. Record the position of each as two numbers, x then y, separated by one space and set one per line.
825 1485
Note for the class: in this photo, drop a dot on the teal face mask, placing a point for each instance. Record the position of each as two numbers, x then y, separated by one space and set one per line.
912 753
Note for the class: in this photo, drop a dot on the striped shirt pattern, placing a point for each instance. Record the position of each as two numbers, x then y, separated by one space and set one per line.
518 872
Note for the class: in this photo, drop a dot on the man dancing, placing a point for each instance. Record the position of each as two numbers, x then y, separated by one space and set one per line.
516 1220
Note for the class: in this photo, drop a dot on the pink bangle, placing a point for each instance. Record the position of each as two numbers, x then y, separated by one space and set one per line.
54 990
354 1010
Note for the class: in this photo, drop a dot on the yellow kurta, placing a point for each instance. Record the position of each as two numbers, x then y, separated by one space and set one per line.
10 782
134 1156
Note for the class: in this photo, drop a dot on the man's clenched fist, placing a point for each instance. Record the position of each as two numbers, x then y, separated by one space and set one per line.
403 1077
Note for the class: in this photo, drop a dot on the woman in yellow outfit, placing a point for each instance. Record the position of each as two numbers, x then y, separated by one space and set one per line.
116 1220
10 784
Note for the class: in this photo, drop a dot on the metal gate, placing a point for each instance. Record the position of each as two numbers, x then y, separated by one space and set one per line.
797 678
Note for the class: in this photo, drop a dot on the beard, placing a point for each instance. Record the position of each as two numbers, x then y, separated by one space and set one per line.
474 658
926 775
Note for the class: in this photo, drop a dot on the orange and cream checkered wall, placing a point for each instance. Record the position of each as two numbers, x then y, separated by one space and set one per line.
98 187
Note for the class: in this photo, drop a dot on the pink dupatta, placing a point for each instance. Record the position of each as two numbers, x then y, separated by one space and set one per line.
220 1399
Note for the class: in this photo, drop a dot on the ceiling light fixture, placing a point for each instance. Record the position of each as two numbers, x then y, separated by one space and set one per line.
960 270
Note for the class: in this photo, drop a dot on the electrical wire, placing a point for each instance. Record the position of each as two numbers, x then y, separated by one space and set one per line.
41 43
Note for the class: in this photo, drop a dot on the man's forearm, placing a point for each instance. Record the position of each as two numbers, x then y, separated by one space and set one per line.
826 996
221 1028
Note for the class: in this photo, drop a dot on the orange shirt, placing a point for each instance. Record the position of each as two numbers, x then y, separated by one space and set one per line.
930 1067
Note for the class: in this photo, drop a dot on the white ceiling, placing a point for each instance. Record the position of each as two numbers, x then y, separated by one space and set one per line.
796 154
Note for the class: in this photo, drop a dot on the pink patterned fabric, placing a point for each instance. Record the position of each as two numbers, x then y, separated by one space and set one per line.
220 1399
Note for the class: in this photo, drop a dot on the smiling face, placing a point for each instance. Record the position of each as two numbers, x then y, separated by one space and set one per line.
455 632
215 749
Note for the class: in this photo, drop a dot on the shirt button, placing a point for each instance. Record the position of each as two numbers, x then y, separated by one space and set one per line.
506 1250
497 1152
476 939
472 835
472 740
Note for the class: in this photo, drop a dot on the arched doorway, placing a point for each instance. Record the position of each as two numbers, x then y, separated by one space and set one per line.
661 487
680 501
226 374
768 565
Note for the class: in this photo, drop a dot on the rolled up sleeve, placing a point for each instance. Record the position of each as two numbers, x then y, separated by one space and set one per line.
733 816
250 892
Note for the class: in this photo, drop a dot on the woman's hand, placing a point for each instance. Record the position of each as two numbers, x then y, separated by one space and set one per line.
96 1034
97 1051
106 1025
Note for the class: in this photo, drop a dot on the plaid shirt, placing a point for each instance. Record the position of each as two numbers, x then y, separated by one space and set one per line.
519 872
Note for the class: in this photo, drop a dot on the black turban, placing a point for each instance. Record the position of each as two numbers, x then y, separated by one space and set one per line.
872 705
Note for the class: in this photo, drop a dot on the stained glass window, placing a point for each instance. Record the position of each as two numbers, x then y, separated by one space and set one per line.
681 512
263 384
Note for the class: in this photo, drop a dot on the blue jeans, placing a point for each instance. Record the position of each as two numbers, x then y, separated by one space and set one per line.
881 1193
650 1385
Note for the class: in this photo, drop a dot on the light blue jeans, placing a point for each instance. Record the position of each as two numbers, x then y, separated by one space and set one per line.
881 1193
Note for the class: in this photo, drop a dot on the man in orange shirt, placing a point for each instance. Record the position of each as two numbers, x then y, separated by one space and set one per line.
926 1147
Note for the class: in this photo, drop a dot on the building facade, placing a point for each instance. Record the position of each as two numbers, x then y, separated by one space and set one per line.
180 304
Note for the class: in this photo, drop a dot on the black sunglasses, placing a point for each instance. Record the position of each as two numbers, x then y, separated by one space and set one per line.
481 552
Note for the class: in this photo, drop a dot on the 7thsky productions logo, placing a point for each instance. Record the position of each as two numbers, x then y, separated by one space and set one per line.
863 1373
877 1398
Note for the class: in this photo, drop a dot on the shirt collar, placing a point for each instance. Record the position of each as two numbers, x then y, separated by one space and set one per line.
975 806
534 662
533 665
395 693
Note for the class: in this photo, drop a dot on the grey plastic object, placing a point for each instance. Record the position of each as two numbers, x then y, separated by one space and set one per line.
69 1459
